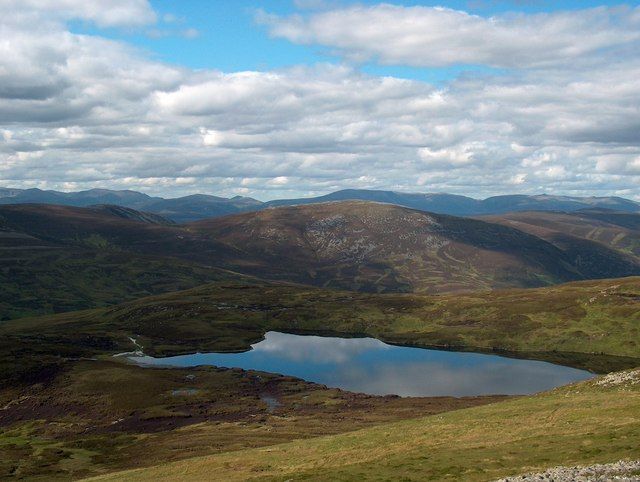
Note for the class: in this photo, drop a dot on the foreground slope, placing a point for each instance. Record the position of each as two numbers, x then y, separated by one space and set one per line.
591 422
69 409
102 415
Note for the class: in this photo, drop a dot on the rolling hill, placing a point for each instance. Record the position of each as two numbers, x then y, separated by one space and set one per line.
382 247
61 257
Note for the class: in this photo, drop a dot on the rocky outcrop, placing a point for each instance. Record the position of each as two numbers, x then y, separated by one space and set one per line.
622 471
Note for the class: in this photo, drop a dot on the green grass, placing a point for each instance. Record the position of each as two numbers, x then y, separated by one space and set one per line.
589 324
579 424
54 280
593 324
109 415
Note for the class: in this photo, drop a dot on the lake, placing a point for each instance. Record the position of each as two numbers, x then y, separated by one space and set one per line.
371 366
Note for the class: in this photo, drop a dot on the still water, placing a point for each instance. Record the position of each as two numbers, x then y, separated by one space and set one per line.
370 366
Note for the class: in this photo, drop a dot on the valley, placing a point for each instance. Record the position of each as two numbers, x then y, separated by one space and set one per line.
319 240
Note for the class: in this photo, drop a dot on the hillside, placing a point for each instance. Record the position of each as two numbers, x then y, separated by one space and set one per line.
609 236
107 228
57 258
112 416
583 424
381 247
132 214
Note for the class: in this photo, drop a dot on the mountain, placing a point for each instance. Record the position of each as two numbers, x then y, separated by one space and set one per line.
438 203
202 206
544 202
82 198
466 206
63 257
382 247
180 210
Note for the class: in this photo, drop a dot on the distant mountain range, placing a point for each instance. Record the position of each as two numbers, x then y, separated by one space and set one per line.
203 206
465 206
180 210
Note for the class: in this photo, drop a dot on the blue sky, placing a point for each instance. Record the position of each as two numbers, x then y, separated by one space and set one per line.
230 39
290 98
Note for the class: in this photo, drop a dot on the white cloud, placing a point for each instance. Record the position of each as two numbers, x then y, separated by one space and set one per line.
104 13
457 156
279 181
90 112
437 36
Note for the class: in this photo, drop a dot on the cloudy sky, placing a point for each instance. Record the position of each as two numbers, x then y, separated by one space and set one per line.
301 97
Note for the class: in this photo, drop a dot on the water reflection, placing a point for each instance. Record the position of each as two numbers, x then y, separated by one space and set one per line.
371 366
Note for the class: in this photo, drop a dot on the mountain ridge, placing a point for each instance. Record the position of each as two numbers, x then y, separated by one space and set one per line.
202 206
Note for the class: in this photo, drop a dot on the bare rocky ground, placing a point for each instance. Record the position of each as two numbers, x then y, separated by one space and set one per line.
629 377
622 471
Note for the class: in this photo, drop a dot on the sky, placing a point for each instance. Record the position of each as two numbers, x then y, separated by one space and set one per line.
289 98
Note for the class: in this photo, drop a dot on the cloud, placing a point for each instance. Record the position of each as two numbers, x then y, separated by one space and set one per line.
371 366
104 13
437 36
90 112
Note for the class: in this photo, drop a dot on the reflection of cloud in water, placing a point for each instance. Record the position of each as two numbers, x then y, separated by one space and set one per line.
316 349
371 366
436 379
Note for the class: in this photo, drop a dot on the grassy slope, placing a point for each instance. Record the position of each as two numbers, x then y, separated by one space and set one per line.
108 415
580 424
593 317
56 280
613 236
52 396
